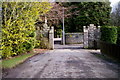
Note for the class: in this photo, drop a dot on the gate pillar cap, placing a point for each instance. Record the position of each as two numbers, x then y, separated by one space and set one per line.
91 24
84 27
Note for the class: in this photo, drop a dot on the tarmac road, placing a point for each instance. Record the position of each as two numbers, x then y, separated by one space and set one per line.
65 63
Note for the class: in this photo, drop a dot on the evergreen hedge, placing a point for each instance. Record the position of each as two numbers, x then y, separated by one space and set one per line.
109 34
118 38
18 30
108 46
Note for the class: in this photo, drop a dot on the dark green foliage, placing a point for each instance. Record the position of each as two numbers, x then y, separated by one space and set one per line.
109 34
37 44
58 33
27 46
109 37
118 38
118 29
33 34
86 13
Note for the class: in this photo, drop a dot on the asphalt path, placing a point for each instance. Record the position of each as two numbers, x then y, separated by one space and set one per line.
68 61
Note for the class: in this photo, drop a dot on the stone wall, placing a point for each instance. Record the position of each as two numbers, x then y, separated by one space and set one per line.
73 38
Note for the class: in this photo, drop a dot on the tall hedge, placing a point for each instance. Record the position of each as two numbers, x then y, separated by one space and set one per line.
18 30
109 34
118 38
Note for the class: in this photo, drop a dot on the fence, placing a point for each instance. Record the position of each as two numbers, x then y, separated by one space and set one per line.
111 50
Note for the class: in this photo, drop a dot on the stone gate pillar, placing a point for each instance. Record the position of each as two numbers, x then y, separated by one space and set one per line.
85 37
97 37
91 35
51 38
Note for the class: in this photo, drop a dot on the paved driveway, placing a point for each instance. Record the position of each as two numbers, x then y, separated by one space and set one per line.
65 63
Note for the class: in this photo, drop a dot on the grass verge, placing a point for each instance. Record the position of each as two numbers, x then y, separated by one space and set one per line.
13 62
10 63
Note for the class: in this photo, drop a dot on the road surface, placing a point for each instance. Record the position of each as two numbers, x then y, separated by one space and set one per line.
67 62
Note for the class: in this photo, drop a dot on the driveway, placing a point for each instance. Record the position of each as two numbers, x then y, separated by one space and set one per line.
66 62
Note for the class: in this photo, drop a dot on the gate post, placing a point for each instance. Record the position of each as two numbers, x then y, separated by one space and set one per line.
85 37
91 35
51 37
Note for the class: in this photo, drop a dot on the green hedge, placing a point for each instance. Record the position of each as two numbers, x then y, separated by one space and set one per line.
109 34
18 30
109 40
118 38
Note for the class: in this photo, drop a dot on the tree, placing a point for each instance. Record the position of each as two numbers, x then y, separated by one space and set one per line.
115 16
97 13
55 16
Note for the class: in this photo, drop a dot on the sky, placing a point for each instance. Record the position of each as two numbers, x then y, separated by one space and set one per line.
113 2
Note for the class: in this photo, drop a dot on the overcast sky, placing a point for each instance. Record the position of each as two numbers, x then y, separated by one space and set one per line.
113 2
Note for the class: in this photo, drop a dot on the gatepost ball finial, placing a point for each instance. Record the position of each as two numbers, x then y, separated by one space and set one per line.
84 27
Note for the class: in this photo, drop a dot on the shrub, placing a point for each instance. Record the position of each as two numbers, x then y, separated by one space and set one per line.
37 44
118 38
118 29
108 44
18 30
109 34
28 45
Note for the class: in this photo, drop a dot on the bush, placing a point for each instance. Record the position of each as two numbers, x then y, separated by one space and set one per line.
37 44
18 29
108 42
28 45
118 38
109 34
